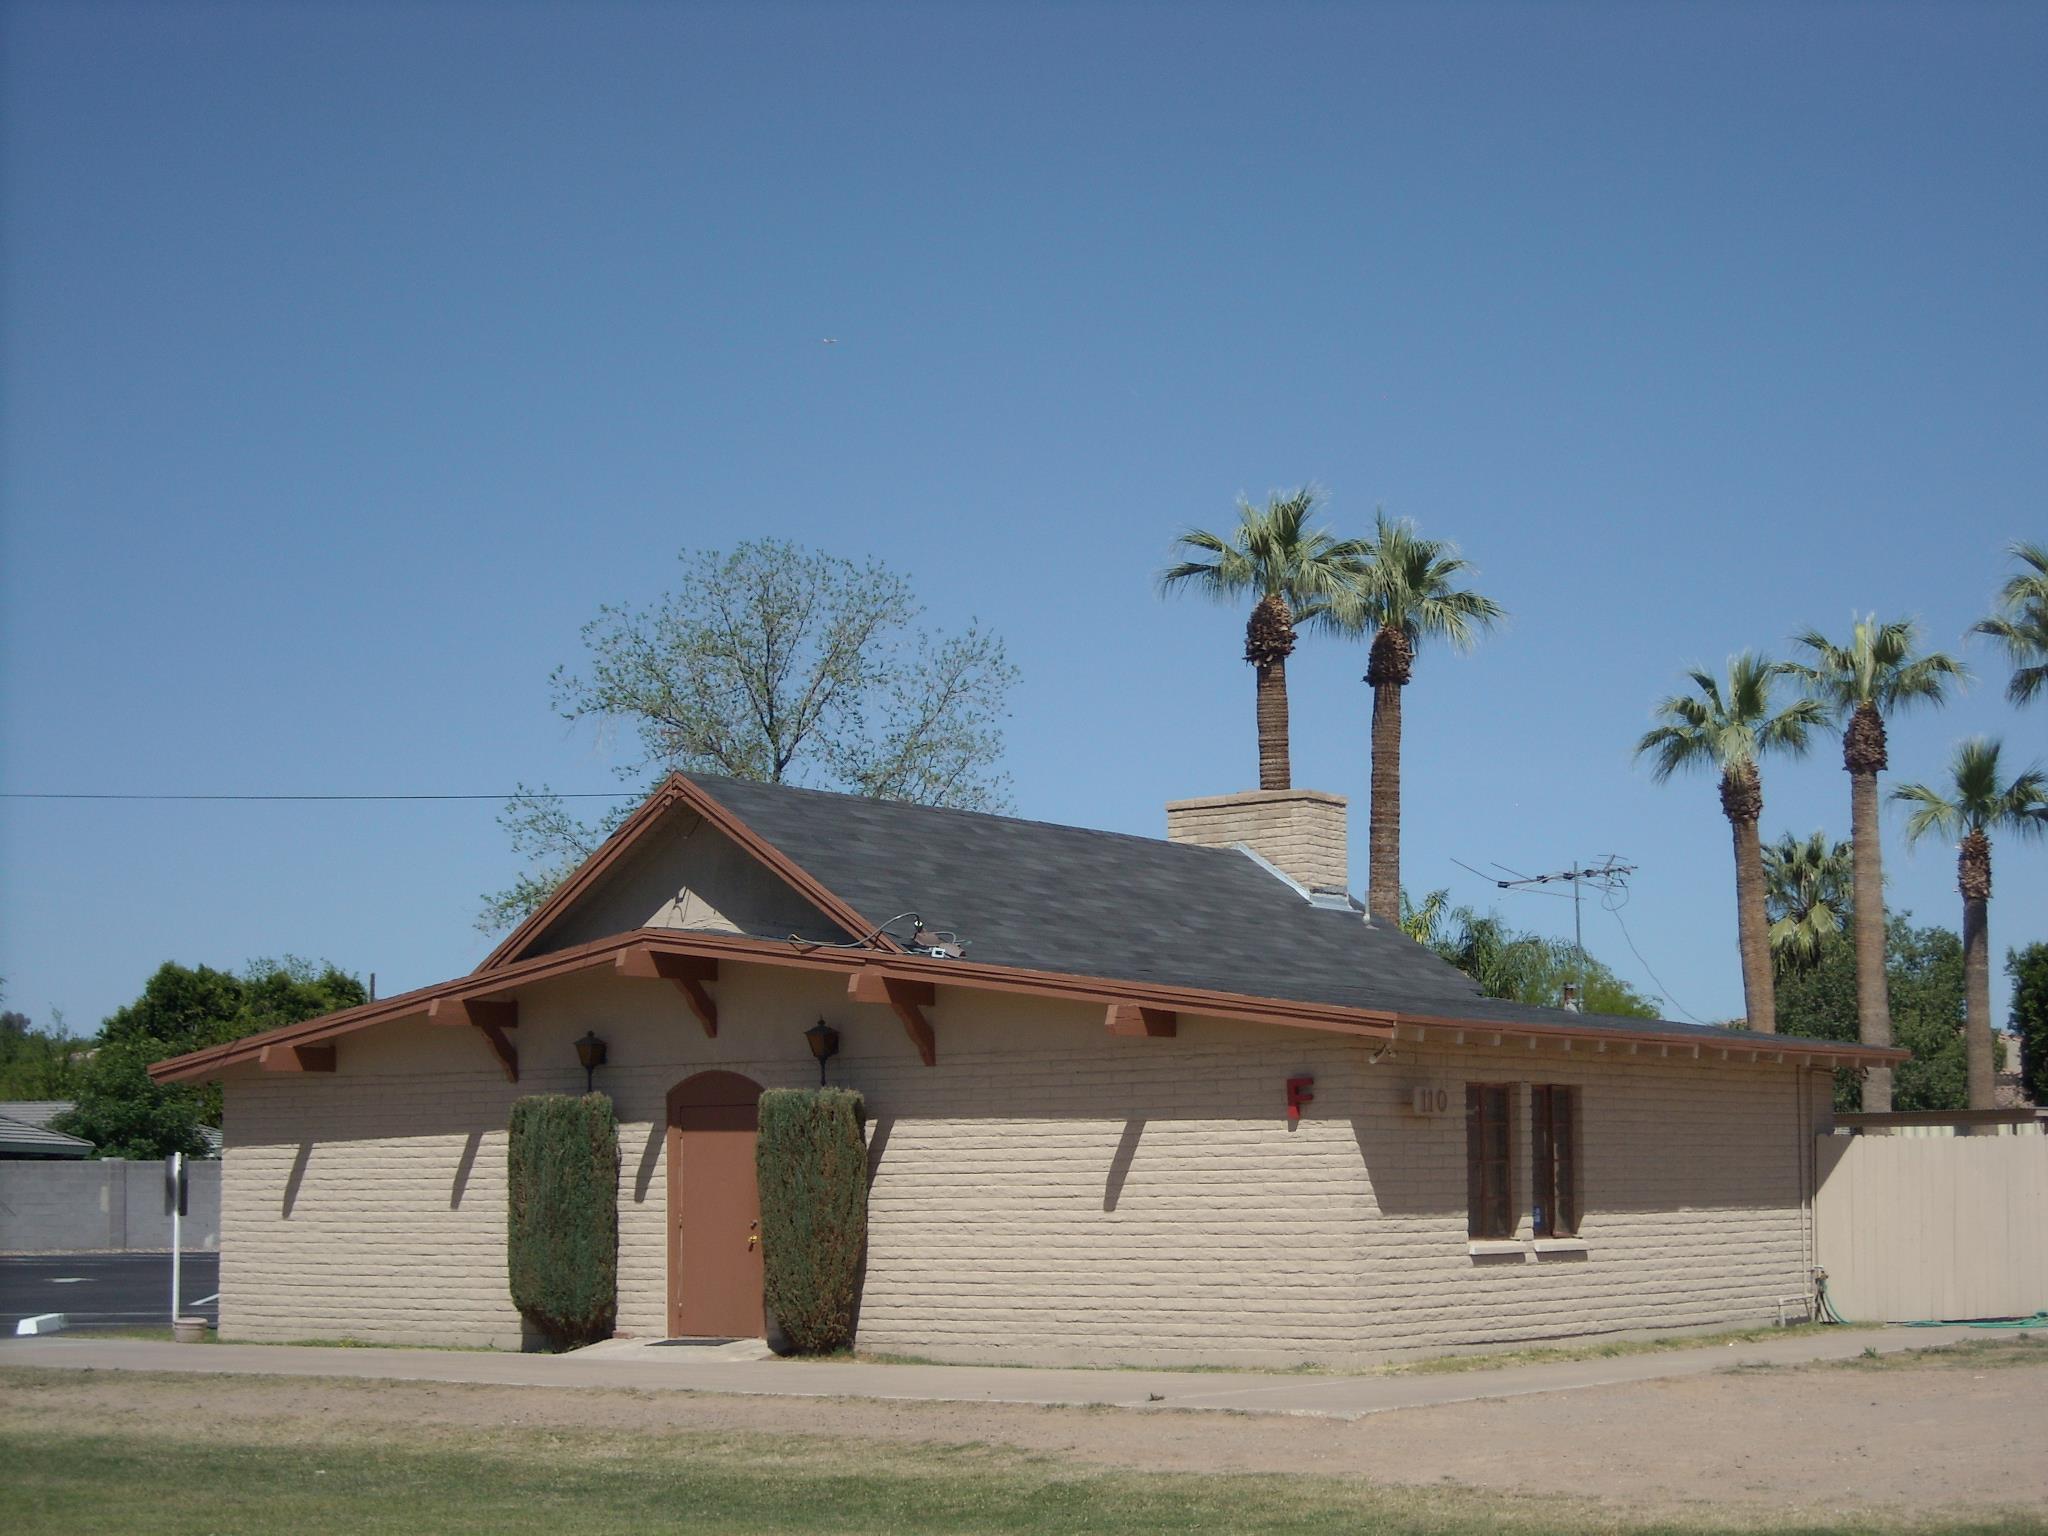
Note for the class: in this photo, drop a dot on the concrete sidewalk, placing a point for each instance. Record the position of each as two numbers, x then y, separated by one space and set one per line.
649 1367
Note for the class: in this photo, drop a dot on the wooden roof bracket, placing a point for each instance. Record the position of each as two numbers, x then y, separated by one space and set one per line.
1136 1019
490 1019
687 972
907 998
297 1058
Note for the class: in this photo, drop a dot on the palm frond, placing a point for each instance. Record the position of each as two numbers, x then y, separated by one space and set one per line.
1877 666
1271 551
1976 798
1723 727
1410 583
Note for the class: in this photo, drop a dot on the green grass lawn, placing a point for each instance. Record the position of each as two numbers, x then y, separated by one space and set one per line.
147 1483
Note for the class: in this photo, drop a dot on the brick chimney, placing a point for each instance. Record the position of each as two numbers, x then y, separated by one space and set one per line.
1301 832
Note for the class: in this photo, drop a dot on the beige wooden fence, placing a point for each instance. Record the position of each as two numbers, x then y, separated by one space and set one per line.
1918 1227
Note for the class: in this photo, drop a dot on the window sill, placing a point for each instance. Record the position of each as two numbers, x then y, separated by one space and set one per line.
1495 1248
1561 1245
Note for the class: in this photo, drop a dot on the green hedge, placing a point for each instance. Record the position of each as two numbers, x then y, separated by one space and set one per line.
562 1246
813 1167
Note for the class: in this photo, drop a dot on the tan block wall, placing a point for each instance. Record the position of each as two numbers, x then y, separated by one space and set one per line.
1047 1192
1301 831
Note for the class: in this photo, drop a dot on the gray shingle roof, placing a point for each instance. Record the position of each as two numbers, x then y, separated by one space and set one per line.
1040 896
25 1131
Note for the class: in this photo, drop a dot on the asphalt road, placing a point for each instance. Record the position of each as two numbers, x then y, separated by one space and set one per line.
106 1290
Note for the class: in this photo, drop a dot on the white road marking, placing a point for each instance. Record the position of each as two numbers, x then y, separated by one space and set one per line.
71 1280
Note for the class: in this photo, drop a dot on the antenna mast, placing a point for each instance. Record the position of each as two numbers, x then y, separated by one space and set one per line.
1608 874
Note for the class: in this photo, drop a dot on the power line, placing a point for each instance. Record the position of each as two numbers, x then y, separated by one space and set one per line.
512 795
1674 1002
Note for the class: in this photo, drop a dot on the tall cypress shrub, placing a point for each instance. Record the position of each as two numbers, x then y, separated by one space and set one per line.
562 1243
813 1175
2029 971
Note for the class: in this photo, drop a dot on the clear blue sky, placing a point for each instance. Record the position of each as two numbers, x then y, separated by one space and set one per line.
355 354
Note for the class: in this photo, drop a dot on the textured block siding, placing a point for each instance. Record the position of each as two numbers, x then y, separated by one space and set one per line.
1047 1192
1147 1203
393 1227
1301 831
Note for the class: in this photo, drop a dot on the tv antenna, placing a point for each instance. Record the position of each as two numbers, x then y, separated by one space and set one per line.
1607 873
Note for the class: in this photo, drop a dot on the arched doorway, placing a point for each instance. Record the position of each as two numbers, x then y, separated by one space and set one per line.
714 1208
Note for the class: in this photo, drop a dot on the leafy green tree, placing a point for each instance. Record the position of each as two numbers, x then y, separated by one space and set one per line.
2021 623
1731 730
187 1008
1291 571
780 664
1977 801
34 1063
1523 967
1876 673
1410 592
2028 969
1806 896
1924 982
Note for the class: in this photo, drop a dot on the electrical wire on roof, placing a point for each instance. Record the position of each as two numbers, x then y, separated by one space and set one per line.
938 943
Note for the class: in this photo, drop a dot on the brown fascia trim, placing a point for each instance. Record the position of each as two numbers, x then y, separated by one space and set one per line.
1357 1022
1745 1046
667 794
824 958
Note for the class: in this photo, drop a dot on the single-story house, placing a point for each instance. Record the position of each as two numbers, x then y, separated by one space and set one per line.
1130 1101
25 1131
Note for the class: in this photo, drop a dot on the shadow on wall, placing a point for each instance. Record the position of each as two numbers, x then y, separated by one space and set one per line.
463 1166
1120 1164
650 1159
296 1177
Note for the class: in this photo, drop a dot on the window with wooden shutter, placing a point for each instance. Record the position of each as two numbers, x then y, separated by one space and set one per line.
1554 1133
1490 1207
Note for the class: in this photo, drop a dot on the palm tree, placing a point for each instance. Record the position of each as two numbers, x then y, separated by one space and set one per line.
1874 675
1421 920
1731 730
1293 570
1408 593
1806 894
1975 804
2023 623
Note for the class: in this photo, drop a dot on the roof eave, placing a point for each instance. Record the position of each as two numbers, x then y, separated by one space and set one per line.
1098 990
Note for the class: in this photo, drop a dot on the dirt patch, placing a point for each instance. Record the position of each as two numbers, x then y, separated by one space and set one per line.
1938 1436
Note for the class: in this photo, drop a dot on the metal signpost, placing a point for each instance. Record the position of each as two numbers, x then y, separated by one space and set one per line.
174 1198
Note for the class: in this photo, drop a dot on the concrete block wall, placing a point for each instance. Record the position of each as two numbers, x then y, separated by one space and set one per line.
103 1205
1147 1202
1300 831
1046 1193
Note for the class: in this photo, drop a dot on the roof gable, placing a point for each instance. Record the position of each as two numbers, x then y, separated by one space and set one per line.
684 861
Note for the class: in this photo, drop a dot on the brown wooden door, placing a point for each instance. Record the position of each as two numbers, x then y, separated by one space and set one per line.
714 1208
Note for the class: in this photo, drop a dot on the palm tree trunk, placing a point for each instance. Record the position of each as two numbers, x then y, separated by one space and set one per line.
1973 876
1742 801
1275 772
1383 881
1873 1005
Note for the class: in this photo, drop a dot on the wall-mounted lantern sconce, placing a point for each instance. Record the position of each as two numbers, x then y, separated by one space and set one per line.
824 1043
591 1052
